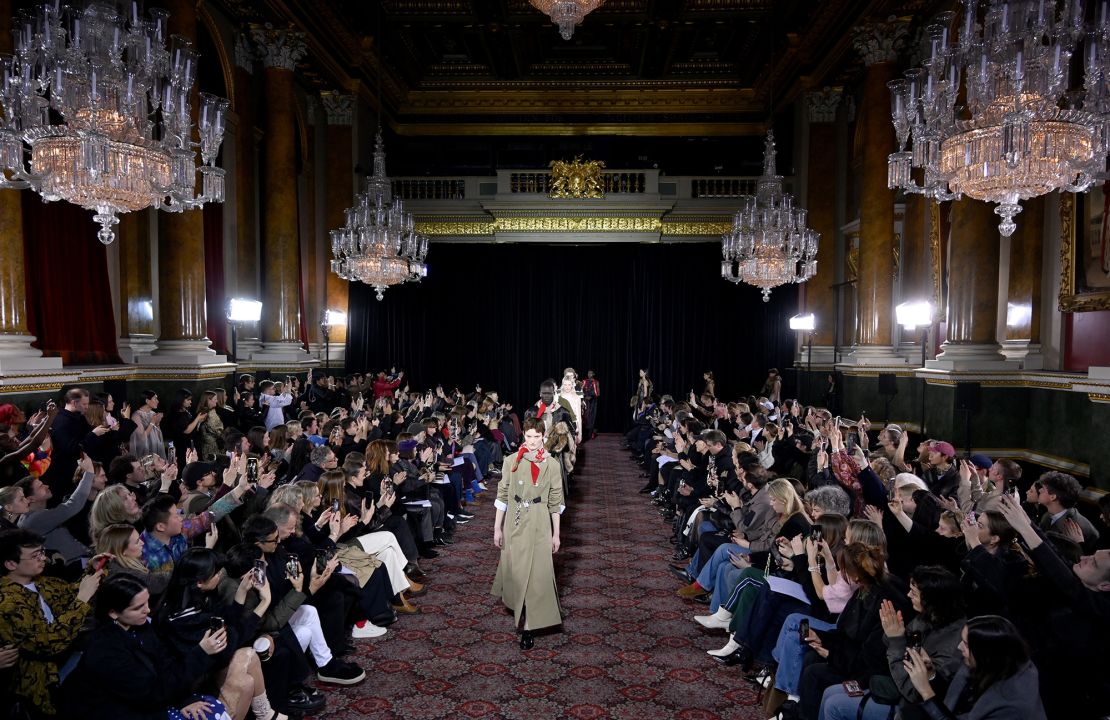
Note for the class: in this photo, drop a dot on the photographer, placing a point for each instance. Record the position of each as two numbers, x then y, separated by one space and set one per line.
192 607
935 633
291 587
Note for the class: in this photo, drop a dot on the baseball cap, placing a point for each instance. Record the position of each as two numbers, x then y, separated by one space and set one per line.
981 461
196 471
944 448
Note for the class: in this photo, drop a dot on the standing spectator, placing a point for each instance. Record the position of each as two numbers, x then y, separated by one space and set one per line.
1058 494
66 434
147 438
273 403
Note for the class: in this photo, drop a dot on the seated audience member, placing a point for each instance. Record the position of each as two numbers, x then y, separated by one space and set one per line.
1058 494
122 546
127 672
997 680
50 523
39 616
935 632
192 606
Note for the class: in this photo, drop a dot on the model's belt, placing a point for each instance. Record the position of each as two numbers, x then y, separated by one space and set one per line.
527 501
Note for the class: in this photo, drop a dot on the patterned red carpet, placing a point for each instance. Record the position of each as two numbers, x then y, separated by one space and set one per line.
628 648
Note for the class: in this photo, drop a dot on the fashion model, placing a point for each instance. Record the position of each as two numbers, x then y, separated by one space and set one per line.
526 529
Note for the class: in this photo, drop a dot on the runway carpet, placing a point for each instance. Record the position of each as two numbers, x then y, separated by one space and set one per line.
628 648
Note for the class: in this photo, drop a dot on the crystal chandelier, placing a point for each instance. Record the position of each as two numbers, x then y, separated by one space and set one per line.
770 244
379 244
1022 130
105 108
566 13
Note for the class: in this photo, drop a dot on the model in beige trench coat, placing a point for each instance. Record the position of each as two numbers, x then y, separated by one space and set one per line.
525 578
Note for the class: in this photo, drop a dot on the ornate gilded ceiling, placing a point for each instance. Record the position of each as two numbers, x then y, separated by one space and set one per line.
634 67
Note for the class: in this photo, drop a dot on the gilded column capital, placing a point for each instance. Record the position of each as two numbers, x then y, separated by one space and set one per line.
244 53
880 42
280 48
340 108
822 104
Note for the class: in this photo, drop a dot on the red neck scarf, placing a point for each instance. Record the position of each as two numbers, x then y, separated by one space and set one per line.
535 461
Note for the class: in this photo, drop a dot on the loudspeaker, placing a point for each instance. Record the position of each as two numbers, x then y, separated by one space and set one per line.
887 384
968 396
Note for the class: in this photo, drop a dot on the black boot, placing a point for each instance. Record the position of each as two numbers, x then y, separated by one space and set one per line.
527 640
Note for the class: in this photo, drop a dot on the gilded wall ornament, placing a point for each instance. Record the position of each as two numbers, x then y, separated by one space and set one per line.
576 179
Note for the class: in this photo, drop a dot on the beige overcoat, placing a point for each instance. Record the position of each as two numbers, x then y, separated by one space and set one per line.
526 572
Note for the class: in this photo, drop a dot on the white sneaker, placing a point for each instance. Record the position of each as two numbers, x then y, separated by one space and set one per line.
366 629
712 622
729 648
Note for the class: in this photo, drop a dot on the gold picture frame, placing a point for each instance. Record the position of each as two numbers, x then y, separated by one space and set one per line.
1075 294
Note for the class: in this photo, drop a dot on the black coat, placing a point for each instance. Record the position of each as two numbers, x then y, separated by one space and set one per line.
67 433
131 675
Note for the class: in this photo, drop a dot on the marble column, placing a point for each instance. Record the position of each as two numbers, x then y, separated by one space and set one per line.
181 308
972 317
246 191
915 276
309 232
340 109
280 49
136 321
820 295
1023 303
878 43
16 352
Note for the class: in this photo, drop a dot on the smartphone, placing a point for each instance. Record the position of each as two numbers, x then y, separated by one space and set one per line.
914 639
215 623
335 506
322 558
292 567
258 572
252 470
815 534
100 563
170 452
803 631
852 688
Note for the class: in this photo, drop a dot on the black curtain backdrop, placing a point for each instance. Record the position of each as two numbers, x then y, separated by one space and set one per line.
509 316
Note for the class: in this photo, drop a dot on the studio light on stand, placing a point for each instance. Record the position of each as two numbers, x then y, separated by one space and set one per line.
331 318
805 323
241 310
913 315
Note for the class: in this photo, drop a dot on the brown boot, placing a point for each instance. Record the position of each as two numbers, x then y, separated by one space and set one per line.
405 607
692 591
415 589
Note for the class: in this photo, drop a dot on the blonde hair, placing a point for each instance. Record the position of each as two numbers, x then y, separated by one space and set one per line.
309 491
114 540
110 508
294 430
865 532
290 495
785 493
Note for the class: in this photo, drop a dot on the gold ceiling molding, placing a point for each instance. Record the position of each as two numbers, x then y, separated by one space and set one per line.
548 224
572 129
451 228
687 229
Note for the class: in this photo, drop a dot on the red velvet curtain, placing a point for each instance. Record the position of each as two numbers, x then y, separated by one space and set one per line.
69 298
215 296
